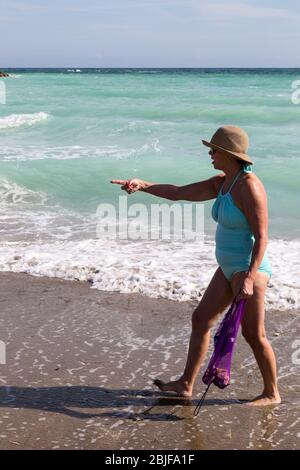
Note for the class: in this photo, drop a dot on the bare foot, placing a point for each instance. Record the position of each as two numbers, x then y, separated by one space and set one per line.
179 387
264 400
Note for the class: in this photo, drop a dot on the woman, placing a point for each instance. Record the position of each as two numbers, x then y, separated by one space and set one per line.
241 211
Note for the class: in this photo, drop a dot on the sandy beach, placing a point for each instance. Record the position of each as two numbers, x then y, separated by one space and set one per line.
80 365
146 146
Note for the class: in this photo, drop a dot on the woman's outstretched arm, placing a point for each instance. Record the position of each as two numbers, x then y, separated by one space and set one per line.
201 191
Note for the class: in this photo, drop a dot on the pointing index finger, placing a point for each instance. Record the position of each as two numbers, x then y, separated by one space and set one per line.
118 181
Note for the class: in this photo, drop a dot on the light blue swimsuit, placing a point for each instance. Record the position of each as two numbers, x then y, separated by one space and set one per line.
234 237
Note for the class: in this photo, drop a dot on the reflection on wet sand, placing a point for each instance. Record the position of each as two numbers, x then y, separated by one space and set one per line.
81 363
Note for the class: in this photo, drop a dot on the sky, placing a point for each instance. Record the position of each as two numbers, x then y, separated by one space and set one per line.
149 33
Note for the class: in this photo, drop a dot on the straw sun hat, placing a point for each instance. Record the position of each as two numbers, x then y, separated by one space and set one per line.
232 140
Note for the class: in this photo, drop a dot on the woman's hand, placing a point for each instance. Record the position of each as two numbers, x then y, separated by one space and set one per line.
131 186
244 288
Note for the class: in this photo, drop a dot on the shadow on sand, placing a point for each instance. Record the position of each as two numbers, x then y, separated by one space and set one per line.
156 405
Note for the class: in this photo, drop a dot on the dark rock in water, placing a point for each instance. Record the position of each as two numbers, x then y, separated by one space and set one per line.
3 74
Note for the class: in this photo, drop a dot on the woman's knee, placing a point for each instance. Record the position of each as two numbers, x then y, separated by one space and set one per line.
254 337
200 321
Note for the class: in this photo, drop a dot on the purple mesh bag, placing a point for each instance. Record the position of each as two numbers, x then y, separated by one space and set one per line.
218 370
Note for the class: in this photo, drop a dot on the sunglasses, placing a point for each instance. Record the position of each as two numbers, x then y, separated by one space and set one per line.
212 151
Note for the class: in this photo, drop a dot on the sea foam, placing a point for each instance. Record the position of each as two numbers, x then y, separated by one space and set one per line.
17 120
73 152
12 193
178 271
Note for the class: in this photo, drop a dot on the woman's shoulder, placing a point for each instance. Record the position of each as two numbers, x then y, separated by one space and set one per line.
251 179
218 181
252 184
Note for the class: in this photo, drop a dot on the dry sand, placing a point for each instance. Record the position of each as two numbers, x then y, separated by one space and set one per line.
80 365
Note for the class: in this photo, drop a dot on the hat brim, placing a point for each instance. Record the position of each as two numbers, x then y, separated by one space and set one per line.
239 156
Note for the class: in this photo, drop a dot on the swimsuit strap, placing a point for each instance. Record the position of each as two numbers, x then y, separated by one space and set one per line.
231 186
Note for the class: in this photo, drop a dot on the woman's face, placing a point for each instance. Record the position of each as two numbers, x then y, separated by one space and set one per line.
221 161
217 159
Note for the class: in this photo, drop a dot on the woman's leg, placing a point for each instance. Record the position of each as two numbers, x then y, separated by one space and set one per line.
216 298
253 330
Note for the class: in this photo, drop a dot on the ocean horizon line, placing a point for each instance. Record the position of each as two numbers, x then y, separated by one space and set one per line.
78 67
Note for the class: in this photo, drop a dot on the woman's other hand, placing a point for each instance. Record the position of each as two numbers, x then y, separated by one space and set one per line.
242 285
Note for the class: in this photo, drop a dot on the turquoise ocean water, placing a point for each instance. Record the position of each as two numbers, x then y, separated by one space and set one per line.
65 133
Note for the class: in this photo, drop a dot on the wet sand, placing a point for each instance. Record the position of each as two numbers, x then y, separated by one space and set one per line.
80 365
